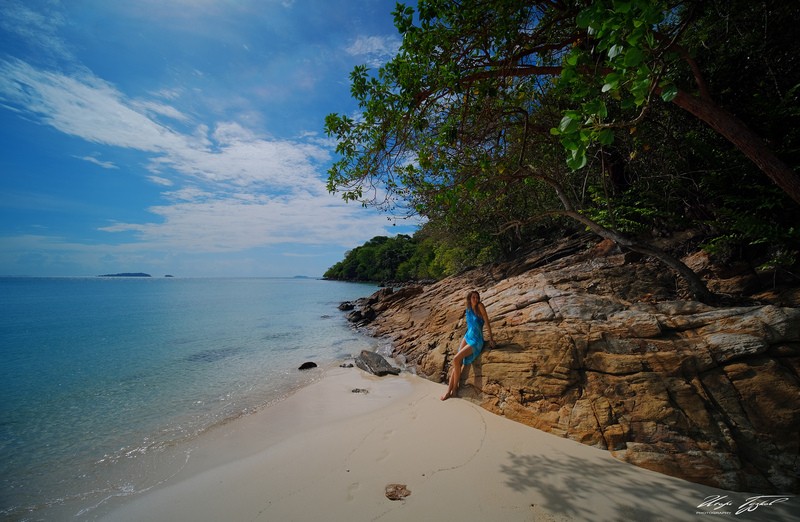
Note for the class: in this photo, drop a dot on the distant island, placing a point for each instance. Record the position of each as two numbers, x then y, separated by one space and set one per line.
127 274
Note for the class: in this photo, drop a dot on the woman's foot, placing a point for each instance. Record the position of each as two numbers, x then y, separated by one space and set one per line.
449 393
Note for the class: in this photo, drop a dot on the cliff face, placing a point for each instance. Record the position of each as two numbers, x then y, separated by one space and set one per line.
593 347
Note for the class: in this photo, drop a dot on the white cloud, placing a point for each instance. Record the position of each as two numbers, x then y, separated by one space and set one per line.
84 106
236 157
186 194
205 222
151 107
232 189
104 164
376 49
94 110
158 180
167 94
36 29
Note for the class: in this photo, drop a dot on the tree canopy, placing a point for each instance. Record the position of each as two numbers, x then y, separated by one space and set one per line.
498 119
379 259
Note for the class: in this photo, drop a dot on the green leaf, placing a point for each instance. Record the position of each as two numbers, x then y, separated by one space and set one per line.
633 38
615 51
669 93
570 144
640 90
596 108
622 7
605 137
572 58
568 125
592 106
585 18
633 57
611 81
577 159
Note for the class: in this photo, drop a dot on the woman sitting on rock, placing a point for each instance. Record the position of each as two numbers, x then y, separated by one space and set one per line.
472 343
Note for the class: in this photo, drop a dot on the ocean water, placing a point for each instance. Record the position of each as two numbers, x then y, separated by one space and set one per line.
101 377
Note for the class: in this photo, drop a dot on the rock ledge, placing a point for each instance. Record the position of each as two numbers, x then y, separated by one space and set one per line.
594 345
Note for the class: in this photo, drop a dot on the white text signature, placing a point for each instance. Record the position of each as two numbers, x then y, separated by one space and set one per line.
717 502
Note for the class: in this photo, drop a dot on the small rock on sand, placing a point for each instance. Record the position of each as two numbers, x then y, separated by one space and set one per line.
397 491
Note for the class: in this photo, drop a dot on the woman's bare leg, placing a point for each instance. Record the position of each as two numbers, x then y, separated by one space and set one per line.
465 350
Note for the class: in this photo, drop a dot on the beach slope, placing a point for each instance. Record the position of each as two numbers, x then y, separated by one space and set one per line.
329 451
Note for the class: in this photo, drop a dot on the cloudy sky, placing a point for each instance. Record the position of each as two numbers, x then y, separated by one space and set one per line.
179 136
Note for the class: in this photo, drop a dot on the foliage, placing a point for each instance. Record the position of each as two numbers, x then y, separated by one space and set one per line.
429 255
376 260
470 123
624 58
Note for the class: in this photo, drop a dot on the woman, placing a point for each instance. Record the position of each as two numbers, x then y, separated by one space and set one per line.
472 343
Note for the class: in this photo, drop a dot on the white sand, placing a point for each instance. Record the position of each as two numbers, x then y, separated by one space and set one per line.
326 453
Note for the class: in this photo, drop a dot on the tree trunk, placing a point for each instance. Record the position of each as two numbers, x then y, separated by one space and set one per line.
735 131
697 287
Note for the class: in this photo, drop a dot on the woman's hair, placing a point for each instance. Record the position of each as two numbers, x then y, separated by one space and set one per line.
469 299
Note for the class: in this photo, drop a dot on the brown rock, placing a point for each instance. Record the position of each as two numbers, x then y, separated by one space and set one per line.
596 348
397 491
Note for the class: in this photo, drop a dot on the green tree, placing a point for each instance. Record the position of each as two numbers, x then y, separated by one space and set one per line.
633 50
464 119
379 259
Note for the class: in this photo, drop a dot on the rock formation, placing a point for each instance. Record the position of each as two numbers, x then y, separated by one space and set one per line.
594 345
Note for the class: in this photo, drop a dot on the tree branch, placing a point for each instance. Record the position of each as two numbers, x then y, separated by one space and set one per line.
696 285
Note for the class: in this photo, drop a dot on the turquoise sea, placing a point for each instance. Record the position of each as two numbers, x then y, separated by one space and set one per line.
102 377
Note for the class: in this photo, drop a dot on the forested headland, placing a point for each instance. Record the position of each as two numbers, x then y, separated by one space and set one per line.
663 126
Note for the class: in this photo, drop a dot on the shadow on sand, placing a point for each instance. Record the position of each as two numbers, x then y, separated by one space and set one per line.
578 489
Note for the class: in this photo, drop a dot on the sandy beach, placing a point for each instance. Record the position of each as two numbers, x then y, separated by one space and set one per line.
329 451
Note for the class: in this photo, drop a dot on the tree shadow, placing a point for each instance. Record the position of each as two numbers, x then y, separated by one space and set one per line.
577 488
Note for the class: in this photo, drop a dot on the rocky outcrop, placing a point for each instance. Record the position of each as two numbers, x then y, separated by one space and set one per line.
594 345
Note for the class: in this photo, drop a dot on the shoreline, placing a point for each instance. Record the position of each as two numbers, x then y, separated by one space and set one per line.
327 452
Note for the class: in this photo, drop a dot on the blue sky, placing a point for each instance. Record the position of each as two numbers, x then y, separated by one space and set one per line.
180 137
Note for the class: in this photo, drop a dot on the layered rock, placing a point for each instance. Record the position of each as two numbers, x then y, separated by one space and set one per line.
597 348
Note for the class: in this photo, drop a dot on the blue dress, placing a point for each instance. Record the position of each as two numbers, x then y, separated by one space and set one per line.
474 335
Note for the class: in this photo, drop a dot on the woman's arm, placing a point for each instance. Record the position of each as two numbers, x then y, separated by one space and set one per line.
485 315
